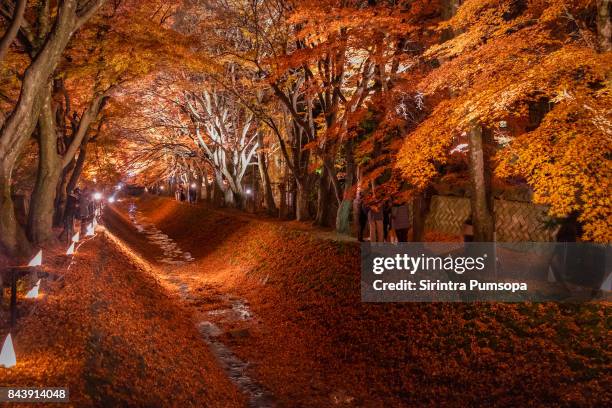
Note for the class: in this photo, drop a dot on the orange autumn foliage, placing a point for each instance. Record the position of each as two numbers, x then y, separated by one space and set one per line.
503 59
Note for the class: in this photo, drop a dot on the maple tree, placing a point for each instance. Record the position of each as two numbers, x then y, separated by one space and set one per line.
45 46
224 133
296 107
112 50
510 59
370 96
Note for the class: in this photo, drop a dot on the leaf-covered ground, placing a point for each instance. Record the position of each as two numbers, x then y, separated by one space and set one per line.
110 333
116 333
314 344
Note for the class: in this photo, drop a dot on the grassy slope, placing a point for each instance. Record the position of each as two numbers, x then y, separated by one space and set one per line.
112 335
318 345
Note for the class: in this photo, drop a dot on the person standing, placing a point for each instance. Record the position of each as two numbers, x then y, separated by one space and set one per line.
363 219
375 219
93 208
70 212
400 221
386 220
84 209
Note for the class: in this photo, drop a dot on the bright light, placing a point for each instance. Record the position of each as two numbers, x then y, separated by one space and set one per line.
161 188
111 200
97 196
249 191
75 237
118 186
90 230
70 250
95 180
33 293
193 185
7 355
37 260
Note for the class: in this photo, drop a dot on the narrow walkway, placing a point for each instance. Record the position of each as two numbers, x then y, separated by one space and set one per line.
172 256
171 253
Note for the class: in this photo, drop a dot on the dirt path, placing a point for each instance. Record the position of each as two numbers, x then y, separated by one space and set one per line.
164 257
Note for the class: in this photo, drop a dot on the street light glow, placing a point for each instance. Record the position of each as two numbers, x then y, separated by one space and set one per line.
111 199
97 196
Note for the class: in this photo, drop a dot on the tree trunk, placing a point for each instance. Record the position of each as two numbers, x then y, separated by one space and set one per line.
301 201
482 219
52 164
199 181
604 24
343 216
12 237
221 191
21 122
60 196
190 181
13 29
40 220
18 126
207 187
229 199
265 178
216 194
323 199
291 197
282 205
78 168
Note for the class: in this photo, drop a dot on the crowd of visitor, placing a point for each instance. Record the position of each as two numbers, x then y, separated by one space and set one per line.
80 205
386 221
188 194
